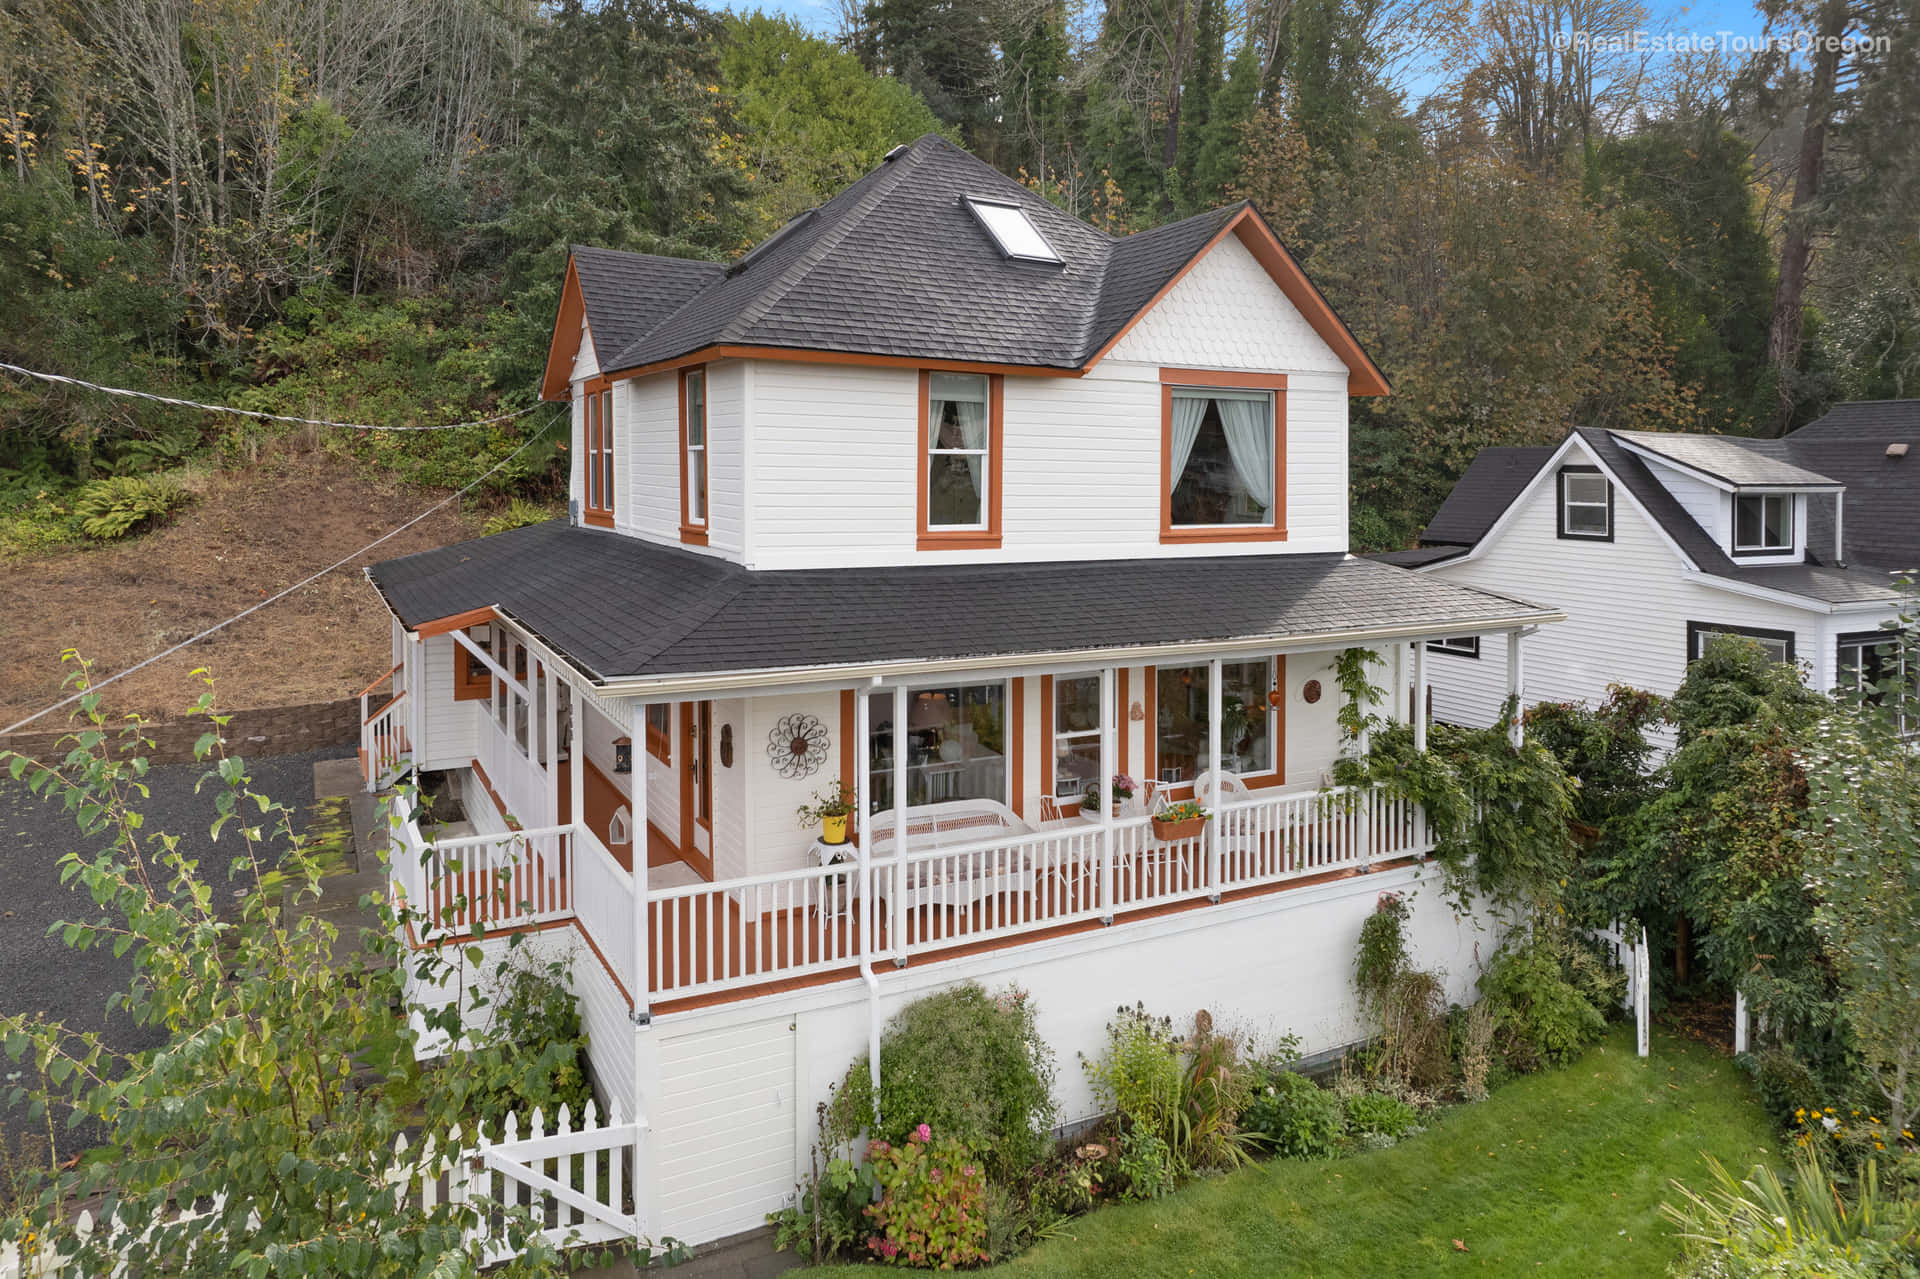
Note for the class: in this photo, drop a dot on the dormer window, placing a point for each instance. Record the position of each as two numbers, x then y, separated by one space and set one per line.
1762 523
1013 231
1586 504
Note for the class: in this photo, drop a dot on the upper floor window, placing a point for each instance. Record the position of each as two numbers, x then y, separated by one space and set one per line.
1762 522
693 448
599 457
1586 504
1223 458
959 495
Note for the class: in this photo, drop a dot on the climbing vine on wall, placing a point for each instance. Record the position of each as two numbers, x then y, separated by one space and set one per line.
1358 693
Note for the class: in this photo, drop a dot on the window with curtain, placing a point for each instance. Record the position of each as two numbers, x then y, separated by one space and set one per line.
1222 462
1180 727
695 474
956 740
958 445
1076 734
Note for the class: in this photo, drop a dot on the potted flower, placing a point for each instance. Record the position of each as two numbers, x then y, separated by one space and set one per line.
830 808
1180 821
1122 786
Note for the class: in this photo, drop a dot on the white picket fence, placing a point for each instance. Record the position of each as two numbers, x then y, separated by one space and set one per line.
575 1181
1636 958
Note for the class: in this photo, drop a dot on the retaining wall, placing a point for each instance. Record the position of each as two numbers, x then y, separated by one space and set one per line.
266 730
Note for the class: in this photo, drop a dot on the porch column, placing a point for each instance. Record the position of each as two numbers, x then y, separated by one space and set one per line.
899 891
1216 700
550 690
415 656
1419 695
862 734
1107 766
1516 683
642 990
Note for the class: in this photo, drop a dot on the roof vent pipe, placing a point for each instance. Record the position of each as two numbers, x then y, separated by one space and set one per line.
896 151
1896 450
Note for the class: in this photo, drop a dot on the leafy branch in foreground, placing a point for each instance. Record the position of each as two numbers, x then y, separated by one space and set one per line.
275 1099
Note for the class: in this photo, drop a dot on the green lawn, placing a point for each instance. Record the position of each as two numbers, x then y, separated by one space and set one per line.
1560 1173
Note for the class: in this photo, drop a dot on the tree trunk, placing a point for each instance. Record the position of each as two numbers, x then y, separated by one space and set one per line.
1796 251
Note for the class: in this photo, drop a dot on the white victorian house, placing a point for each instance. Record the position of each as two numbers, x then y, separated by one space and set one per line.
1653 543
946 496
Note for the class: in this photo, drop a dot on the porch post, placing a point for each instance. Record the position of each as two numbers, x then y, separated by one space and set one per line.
862 734
636 805
550 689
1419 695
1516 683
1216 700
415 675
899 896
1107 765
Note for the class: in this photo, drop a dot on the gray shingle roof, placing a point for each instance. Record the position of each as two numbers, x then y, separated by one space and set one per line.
625 294
1728 458
1491 482
620 607
1881 522
896 265
1885 420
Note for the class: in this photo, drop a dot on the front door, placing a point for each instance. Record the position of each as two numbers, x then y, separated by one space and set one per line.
696 786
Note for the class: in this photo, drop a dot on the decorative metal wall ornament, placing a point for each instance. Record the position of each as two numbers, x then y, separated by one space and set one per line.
1310 691
726 746
797 746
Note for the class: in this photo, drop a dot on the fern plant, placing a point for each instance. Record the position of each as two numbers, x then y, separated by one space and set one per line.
114 507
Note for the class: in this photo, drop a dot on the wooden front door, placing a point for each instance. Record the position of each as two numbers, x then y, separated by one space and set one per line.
696 786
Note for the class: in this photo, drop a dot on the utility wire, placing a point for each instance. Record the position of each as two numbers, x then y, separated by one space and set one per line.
252 413
303 583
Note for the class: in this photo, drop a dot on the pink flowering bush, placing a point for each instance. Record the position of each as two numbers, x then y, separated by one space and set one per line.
933 1203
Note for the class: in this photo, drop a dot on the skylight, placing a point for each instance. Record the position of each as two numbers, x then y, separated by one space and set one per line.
1012 231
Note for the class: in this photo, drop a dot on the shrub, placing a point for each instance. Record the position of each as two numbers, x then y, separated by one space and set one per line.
1406 1005
932 1209
1473 1048
519 513
533 1011
970 1064
1144 1165
1378 1113
1139 1076
123 504
1547 992
1217 1086
1805 1225
1295 1117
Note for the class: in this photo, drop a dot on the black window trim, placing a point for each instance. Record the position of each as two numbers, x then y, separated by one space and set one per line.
1471 650
1793 530
1696 629
1560 505
1879 638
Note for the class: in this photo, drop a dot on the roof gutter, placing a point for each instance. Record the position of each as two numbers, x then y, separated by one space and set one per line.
728 681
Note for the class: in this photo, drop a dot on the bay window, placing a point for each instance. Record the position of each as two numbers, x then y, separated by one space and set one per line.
1181 702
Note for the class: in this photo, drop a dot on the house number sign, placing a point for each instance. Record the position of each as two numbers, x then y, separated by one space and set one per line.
797 746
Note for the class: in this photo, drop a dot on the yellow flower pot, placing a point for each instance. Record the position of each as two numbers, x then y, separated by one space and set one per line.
833 830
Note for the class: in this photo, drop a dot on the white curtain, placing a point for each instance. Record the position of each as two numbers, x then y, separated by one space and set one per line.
1188 411
967 395
1249 428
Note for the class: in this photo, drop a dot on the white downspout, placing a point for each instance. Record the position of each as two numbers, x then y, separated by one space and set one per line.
862 729
1839 555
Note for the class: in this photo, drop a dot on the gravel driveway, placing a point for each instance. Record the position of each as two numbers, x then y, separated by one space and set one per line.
37 972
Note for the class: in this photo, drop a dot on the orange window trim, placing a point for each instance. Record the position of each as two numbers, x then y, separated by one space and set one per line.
597 509
1120 713
1202 379
469 685
693 534
1017 743
850 758
972 539
1047 773
1257 781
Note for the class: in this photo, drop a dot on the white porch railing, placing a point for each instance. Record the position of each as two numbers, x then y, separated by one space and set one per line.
732 933
521 878
384 748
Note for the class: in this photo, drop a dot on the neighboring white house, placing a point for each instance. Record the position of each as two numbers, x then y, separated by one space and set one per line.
1654 543
946 495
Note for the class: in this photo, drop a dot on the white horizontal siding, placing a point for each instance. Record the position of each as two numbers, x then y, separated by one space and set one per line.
1708 505
1227 313
451 729
725 1128
726 457
1627 601
646 440
772 834
610 1033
